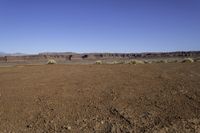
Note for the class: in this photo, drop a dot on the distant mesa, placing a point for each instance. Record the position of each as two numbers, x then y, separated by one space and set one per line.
57 53
3 54
11 54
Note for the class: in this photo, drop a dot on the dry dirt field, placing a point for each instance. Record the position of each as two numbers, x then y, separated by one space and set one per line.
100 98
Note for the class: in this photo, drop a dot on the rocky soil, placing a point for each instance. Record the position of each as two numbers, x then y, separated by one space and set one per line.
120 98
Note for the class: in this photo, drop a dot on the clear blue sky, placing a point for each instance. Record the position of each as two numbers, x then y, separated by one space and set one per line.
32 26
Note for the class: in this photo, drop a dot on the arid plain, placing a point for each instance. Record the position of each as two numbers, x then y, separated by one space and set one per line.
100 98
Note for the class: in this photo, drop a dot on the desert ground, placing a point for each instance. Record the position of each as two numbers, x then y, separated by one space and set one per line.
119 98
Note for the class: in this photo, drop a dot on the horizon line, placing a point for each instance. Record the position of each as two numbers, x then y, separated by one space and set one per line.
57 52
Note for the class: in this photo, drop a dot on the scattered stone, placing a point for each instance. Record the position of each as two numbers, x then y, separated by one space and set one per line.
29 126
69 127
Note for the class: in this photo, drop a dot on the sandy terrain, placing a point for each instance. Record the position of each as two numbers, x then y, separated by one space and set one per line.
100 98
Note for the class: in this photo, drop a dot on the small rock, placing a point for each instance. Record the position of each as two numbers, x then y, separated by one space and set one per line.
69 127
29 126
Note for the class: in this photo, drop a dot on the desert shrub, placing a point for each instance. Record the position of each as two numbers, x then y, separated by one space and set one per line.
189 60
197 60
147 62
51 61
164 61
172 61
114 62
121 62
99 62
117 62
135 62
160 61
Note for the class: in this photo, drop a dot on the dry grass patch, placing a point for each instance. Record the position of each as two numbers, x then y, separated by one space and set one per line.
172 61
197 59
51 61
187 60
118 62
135 62
98 62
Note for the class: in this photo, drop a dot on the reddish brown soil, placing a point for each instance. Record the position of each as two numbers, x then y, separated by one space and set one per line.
100 98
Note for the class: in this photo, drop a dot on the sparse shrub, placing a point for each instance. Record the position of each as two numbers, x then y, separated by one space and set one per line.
197 60
121 62
163 61
114 62
135 62
160 61
189 60
99 62
117 62
172 61
147 62
51 61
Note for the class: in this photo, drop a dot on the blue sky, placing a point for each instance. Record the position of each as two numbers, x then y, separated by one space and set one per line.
32 26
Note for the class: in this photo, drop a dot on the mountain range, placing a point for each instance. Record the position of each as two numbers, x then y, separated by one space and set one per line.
11 54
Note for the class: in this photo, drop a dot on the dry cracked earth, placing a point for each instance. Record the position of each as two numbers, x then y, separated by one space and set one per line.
152 98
